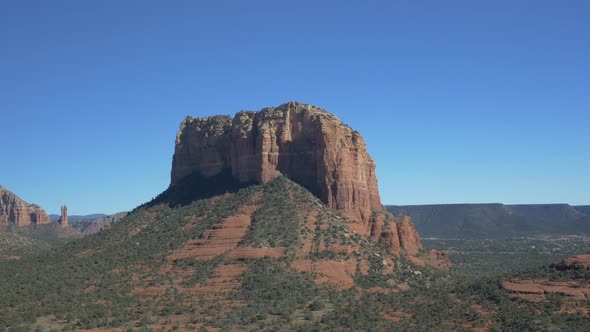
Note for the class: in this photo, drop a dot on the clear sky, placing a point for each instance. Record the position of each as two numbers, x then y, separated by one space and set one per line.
458 101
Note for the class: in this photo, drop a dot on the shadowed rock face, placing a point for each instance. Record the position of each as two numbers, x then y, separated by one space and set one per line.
305 143
14 210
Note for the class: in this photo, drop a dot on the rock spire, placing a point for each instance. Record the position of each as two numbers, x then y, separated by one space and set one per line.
63 220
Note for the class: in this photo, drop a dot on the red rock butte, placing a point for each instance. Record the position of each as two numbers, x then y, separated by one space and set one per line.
13 210
305 143
308 145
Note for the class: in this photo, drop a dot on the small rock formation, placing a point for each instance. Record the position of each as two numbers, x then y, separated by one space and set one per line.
408 236
63 220
395 233
13 210
304 143
577 262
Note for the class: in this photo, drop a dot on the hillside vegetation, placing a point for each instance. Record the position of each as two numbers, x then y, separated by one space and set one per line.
33 240
297 265
268 257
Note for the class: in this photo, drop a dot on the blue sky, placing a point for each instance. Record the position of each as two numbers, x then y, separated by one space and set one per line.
459 101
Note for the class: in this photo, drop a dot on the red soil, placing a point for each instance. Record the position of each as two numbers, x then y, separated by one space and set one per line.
253 253
339 274
220 239
226 279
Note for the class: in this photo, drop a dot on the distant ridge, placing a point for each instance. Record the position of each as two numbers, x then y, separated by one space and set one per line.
74 218
583 208
495 220
95 225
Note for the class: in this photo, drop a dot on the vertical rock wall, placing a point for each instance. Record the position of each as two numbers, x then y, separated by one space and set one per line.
305 143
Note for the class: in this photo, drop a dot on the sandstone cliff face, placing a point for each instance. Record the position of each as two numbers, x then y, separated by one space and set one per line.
14 210
303 142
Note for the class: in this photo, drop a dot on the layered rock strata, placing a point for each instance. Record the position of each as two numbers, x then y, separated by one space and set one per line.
305 143
13 210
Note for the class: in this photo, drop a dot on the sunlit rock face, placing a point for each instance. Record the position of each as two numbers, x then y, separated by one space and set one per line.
303 142
13 210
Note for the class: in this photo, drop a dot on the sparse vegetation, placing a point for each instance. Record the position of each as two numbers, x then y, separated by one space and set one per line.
123 277
277 222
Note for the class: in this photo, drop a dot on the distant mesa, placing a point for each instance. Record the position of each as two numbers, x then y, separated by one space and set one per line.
15 211
95 223
305 143
73 218
495 220
583 208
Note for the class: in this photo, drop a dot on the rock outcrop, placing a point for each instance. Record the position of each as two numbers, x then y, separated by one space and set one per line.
536 290
577 262
14 210
63 220
304 143
307 144
408 236
395 233
399 235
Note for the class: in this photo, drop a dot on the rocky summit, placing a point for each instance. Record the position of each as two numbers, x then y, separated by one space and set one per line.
15 211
